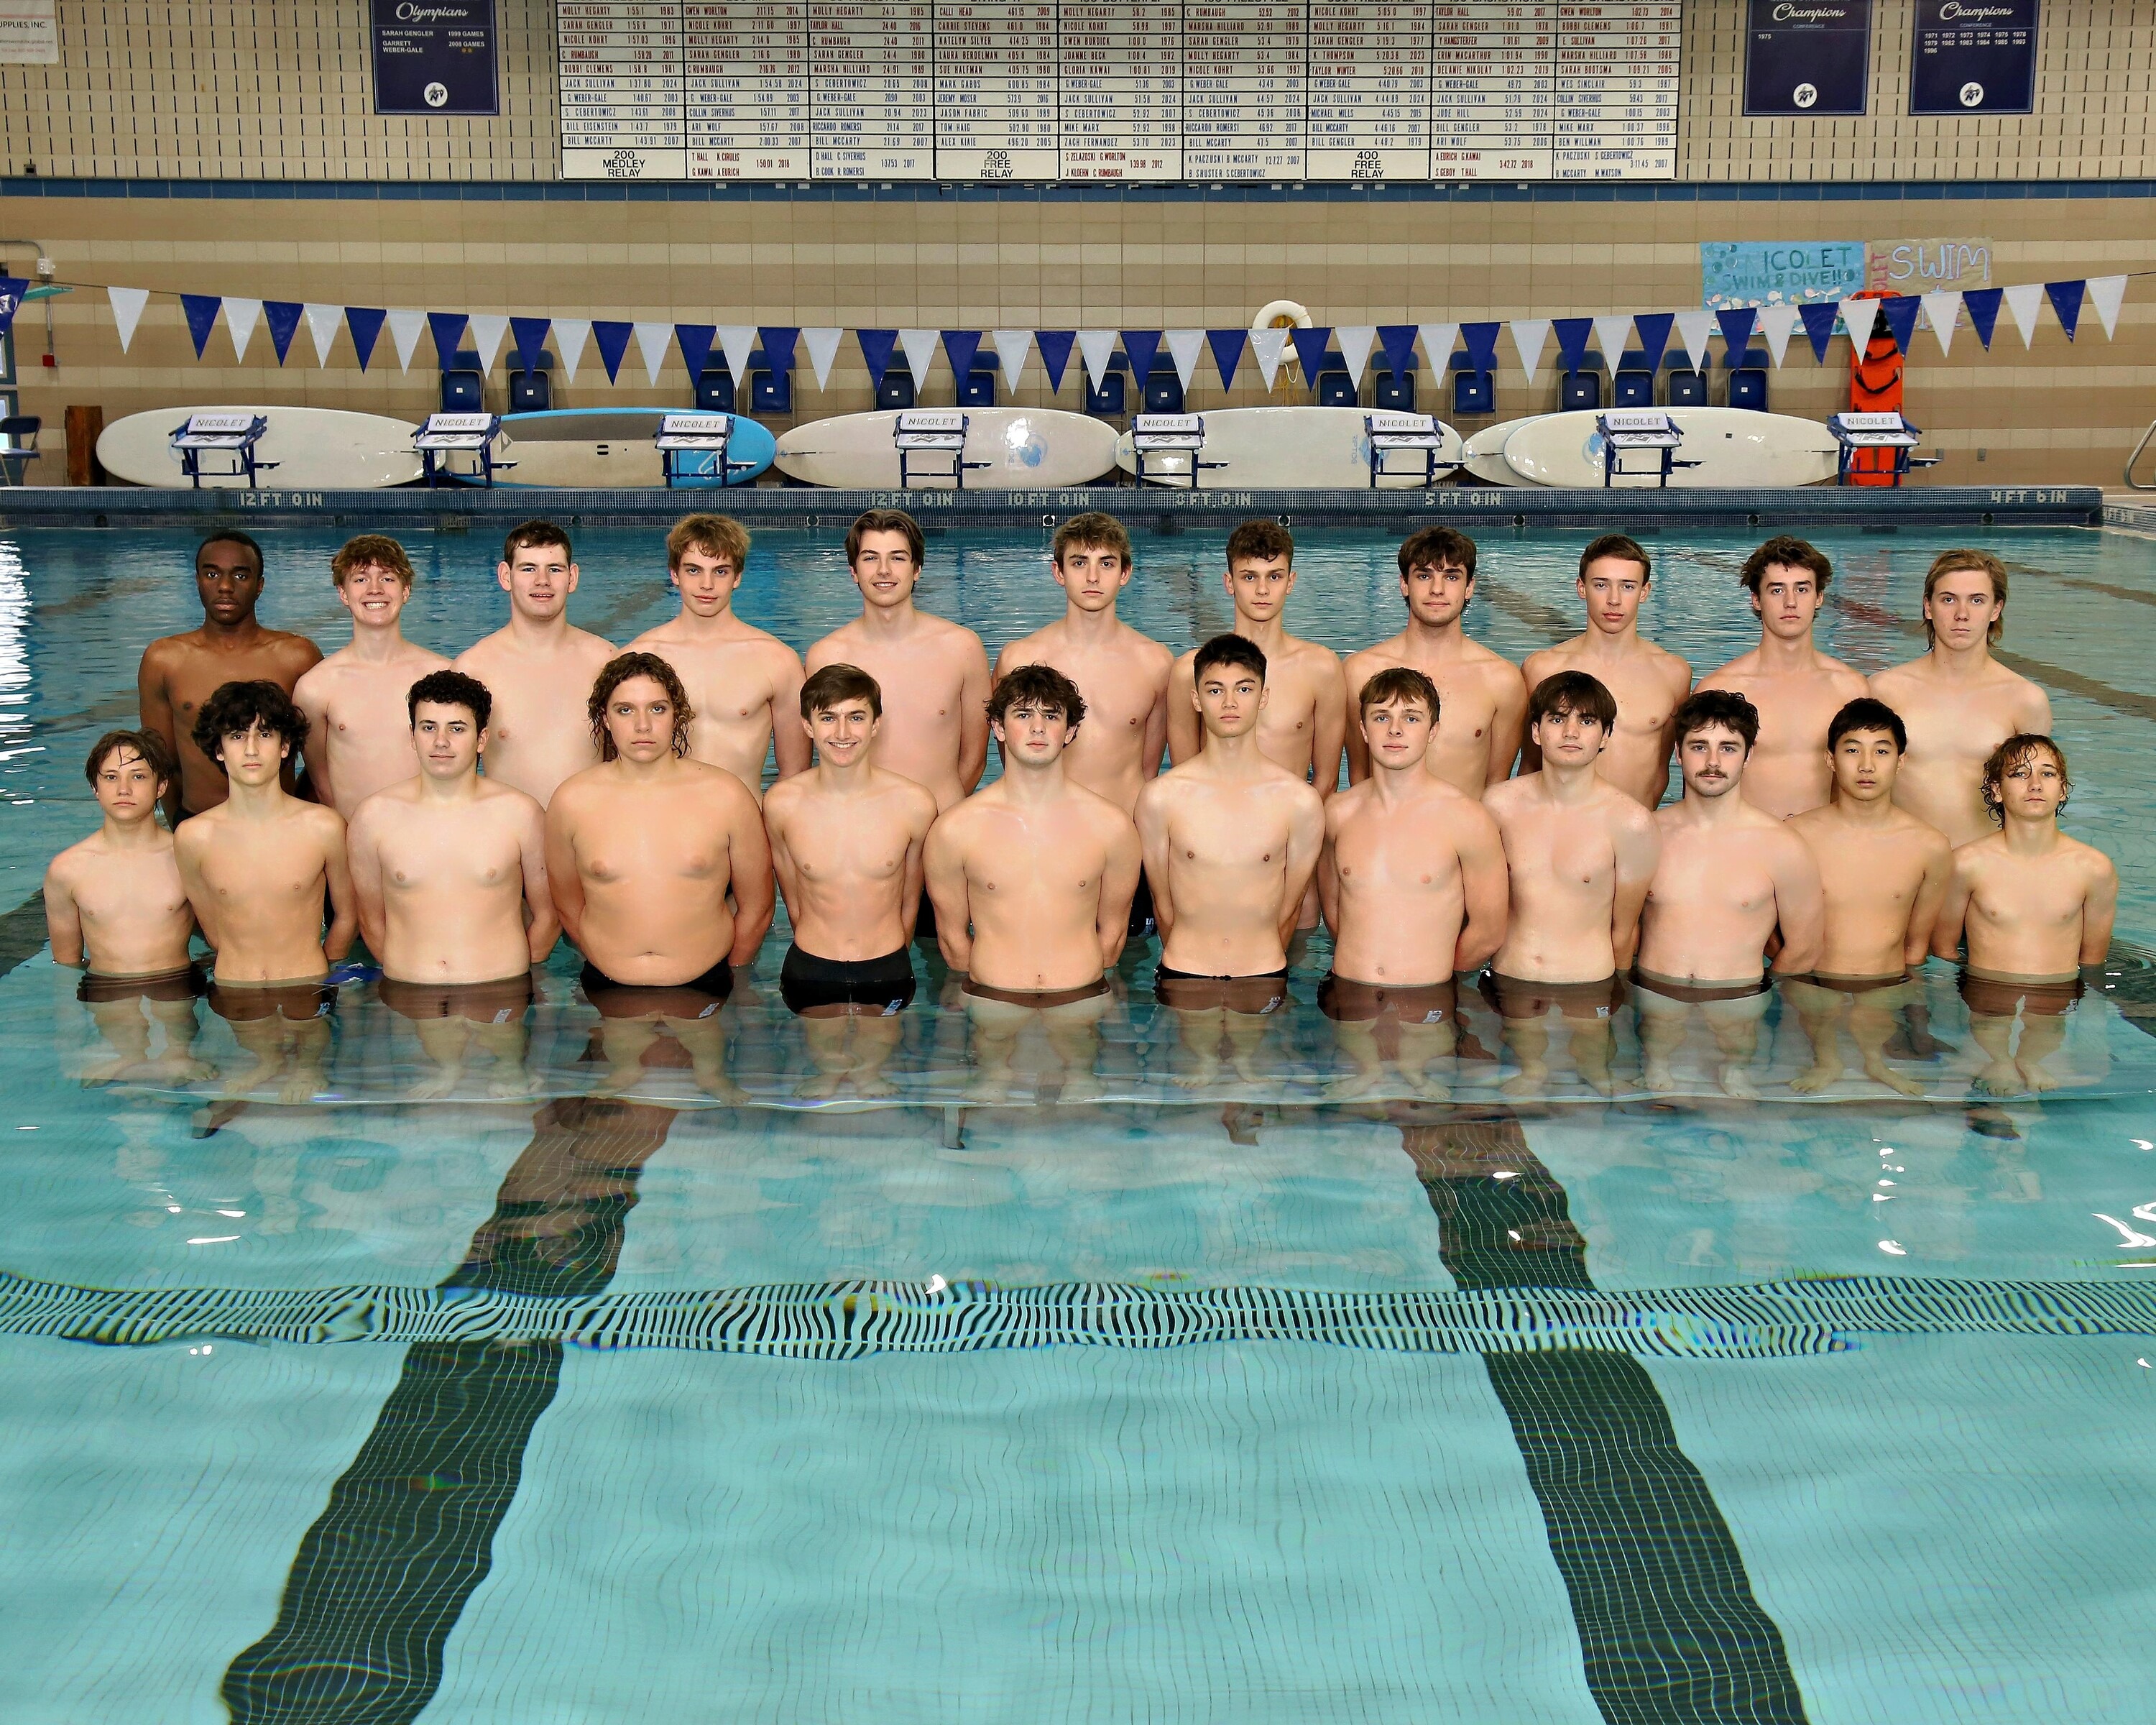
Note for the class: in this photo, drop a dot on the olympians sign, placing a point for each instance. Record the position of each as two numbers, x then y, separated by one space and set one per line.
1265 91
1807 56
434 56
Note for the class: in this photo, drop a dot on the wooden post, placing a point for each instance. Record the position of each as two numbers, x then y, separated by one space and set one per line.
85 426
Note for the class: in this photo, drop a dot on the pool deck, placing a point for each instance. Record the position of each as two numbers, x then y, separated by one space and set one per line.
1159 509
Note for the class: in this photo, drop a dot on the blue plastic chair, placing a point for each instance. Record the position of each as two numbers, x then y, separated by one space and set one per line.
977 387
1687 388
1580 391
1473 392
895 392
1163 390
1633 386
532 391
715 392
464 384
1394 392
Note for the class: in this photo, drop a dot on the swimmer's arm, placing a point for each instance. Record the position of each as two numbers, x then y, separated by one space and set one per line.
1329 730
1155 732
1800 907
916 868
783 865
1185 735
153 696
1328 879
564 885
1305 841
1924 912
364 862
1638 847
973 718
944 870
1358 746
1119 885
316 750
186 843
1954 912
62 918
542 926
1507 725
344 904
1486 893
789 736
751 880
1152 846
2099 911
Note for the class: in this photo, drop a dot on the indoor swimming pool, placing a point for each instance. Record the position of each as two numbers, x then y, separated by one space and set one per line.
1170 1376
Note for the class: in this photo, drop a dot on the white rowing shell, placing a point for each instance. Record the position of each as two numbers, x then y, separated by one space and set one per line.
1024 448
1287 448
607 449
323 448
1735 447
1485 453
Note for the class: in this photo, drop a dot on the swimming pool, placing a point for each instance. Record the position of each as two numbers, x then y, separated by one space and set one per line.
1256 1400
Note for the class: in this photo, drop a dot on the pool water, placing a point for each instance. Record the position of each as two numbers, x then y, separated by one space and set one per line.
1281 1381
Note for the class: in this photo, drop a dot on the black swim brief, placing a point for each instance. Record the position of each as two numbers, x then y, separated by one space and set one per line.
245 1003
1250 996
884 985
924 920
698 998
1351 1003
1990 998
95 990
502 1002
1517 997
1141 916
1038 998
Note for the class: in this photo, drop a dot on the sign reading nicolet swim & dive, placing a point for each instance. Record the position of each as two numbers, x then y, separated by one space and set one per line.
1772 272
1973 57
434 56
1807 56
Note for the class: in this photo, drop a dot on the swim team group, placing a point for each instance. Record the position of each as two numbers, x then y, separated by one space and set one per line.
1831 832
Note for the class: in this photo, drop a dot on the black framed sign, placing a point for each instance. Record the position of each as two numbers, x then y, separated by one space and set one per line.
434 56
1973 57
1807 56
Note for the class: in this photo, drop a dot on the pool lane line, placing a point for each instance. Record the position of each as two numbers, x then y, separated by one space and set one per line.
22 932
381 1577
1669 1631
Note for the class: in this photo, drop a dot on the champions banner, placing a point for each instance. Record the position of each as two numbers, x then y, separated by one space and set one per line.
1973 57
1807 56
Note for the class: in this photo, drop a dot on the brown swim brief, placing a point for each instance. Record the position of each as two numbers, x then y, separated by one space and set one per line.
1250 997
1517 997
1988 997
245 1003
1347 1002
1696 994
95 990
1037 998
501 1002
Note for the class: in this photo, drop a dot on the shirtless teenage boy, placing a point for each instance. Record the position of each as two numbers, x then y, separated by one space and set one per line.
1032 880
1232 841
2037 909
641 851
1483 694
1645 682
1796 688
116 909
846 842
180 672
1412 878
744 682
1730 875
359 737
450 871
534 664
258 868
1579 853
1884 874
1959 702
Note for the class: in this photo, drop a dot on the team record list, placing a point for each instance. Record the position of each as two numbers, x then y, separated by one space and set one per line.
1146 89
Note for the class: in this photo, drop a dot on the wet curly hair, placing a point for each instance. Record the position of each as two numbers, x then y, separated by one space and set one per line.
237 708
618 671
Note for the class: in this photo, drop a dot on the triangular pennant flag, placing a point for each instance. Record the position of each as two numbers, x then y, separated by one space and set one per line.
779 340
1183 346
1226 346
1859 317
530 336
1398 341
1982 304
1611 333
2065 298
1481 340
612 339
1736 333
1572 334
1055 345
2022 302
240 317
488 328
1819 318
448 329
1437 340
1942 312
1654 328
365 323
1356 341
695 343
201 310
736 340
1694 329
1530 336
1141 347
920 345
1310 348
961 347
652 341
876 346
1097 346
570 335
404 328
127 304
1268 347
1899 314
1776 323
1011 346
823 345
322 321
282 315
2105 293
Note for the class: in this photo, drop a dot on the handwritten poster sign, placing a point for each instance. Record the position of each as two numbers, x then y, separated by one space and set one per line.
1925 266
1807 56
1766 272
1973 57
433 57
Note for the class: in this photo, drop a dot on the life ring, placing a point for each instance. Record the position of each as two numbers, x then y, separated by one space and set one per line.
1281 314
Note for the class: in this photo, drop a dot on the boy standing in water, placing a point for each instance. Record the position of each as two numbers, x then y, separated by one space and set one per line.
116 909
359 738
534 667
180 672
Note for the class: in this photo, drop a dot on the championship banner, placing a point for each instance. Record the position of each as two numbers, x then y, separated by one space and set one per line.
434 56
1973 57
1807 57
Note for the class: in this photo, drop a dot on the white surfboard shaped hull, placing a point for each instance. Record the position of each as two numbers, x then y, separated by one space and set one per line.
1735 447
315 448
1485 453
1025 448
610 449
1286 448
